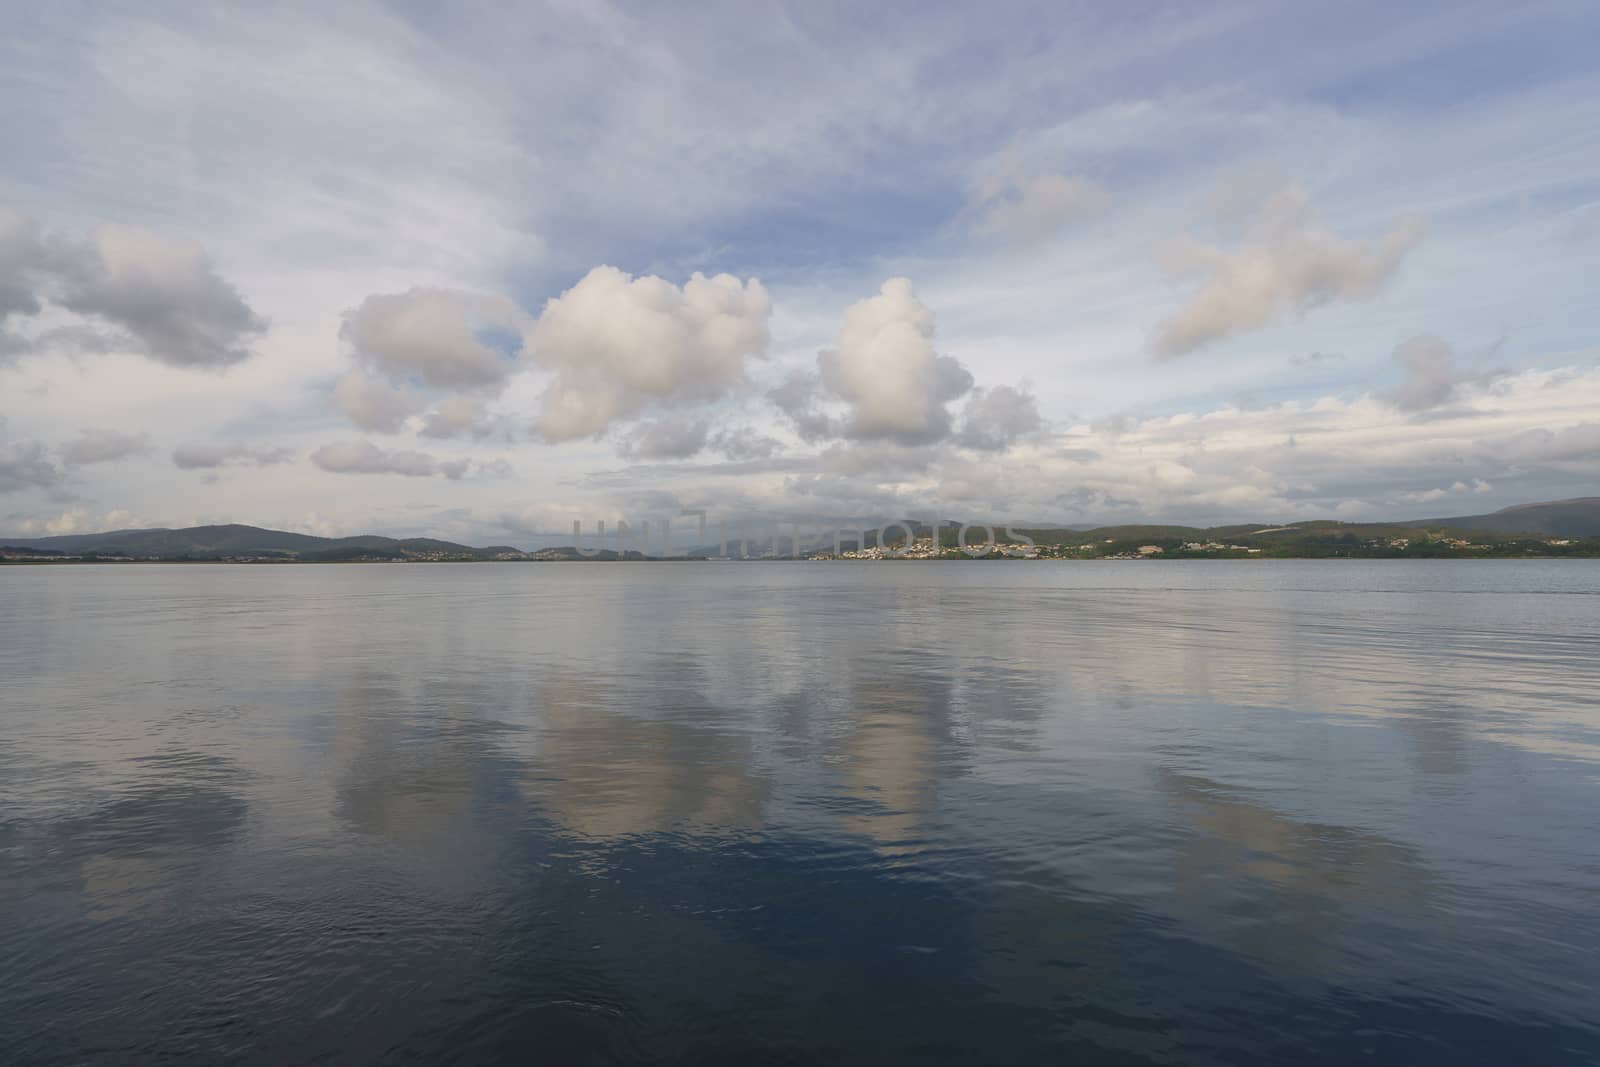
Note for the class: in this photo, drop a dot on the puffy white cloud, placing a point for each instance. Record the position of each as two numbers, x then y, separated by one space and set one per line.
1286 265
103 446
669 437
163 297
618 343
615 344
374 404
201 455
1015 208
885 370
441 337
1432 377
884 382
997 417
363 457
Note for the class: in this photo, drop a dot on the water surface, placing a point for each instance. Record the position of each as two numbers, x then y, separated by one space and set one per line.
1154 812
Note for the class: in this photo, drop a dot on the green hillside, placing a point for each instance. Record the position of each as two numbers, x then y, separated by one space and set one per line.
235 540
1579 517
1556 528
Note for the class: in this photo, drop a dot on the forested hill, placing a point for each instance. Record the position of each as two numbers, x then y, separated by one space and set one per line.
235 540
1579 517
1524 529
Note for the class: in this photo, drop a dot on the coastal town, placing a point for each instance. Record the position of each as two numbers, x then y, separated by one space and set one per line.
1315 540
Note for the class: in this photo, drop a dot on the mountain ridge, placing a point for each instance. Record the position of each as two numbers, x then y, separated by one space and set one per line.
1574 517
236 539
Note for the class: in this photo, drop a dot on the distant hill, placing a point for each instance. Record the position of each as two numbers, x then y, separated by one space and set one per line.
1579 517
1261 534
218 542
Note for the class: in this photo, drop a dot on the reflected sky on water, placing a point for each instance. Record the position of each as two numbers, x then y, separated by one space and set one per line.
801 812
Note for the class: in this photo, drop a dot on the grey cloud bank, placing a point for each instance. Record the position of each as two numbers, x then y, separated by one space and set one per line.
162 297
204 456
1432 375
362 457
26 465
103 446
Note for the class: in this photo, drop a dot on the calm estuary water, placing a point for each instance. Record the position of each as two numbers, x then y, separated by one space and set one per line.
1209 812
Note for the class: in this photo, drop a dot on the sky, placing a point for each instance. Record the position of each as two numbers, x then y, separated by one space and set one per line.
480 271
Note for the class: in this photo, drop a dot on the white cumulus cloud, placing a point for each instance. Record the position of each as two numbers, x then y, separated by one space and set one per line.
885 370
438 336
617 343
373 404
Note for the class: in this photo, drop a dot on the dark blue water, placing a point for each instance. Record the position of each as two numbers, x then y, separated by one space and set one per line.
1230 813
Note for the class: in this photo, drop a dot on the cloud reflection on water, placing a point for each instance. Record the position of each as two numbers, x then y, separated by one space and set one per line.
594 800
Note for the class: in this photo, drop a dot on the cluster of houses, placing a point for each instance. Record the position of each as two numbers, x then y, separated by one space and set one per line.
23 555
924 548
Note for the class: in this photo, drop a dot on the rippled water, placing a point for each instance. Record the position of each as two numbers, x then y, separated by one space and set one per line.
801 812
